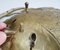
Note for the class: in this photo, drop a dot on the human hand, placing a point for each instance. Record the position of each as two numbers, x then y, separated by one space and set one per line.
3 36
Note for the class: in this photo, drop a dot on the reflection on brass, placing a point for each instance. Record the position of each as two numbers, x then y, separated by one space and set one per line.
32 40
41 22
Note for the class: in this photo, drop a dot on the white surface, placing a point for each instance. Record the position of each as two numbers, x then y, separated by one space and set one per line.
8 4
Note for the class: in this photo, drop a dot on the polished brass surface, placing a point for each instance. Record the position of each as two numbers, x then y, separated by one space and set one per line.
25 24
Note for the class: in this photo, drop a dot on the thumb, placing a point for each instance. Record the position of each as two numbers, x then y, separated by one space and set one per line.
3 37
